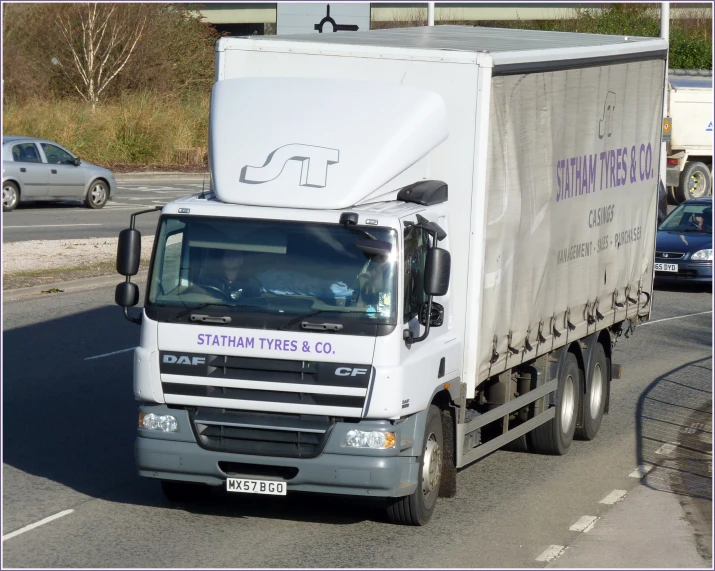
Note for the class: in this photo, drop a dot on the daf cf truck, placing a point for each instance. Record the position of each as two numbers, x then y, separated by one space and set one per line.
440 234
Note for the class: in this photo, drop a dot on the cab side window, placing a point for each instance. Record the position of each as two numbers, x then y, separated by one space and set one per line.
26 153
416 246
57 156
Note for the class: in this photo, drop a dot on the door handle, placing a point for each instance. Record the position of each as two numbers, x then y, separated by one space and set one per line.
54 171
23 169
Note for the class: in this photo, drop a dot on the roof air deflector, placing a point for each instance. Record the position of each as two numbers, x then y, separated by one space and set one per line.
424 192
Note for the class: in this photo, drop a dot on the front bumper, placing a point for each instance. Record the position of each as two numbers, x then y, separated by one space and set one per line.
688 271
337 470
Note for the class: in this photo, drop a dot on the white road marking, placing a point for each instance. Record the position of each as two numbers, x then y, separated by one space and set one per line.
666 449
641 471
110 354
584 524
36 524
613 497
50 226
551 552
671 318
693 428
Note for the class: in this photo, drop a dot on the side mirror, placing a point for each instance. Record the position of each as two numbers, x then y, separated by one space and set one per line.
129 252
437 269
77 162
126 294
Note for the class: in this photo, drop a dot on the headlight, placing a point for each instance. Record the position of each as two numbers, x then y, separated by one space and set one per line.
161 422
702 255
374 439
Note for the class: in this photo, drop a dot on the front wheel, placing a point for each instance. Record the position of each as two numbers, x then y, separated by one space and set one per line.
10 196
417 508
97 195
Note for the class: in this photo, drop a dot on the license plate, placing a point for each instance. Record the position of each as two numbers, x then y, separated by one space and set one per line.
269 487
666 267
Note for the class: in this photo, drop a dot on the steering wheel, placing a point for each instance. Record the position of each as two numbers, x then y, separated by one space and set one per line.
195 288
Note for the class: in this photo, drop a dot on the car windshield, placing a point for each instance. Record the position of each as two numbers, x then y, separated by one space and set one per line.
690 217
272 274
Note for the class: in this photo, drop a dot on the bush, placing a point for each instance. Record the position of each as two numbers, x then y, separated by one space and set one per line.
143 128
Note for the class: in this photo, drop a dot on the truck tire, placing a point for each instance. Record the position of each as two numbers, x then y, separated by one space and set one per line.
10 196
593 402
695 182
97 195
184 492
417 508
554 437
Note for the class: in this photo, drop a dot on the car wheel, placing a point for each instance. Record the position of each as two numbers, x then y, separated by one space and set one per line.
695 182
594 400
417 508
97 195
10 196
555 436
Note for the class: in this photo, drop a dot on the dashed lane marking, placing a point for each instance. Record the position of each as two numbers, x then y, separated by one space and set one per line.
551 552
641 471
613 497
36 524
666 449
584 524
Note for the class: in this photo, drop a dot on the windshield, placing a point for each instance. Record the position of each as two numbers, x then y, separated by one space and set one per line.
687 217
272 274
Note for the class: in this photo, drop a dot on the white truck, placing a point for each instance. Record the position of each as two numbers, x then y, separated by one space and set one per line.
690 150
440 233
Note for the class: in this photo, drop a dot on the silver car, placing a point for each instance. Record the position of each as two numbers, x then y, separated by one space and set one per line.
35 169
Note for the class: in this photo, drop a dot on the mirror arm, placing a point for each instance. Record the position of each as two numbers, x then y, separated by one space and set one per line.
427 326
137 320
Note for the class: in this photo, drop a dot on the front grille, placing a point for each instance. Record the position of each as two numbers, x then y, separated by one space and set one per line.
669 255
278 384
261 434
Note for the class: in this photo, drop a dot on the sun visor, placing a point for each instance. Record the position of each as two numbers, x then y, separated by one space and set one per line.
316 143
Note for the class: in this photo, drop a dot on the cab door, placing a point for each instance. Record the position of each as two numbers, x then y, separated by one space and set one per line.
428 363
34 175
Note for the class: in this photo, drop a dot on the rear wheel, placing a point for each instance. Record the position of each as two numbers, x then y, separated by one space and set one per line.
594 400
97 195
10 196
184 492
695 182
555 436
417 508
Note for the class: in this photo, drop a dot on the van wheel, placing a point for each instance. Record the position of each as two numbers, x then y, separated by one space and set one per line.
10 196
554 437
184 492
594 401
417 508
97 195
695 182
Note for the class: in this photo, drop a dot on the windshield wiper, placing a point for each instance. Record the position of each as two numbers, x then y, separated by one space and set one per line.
207 304
295 320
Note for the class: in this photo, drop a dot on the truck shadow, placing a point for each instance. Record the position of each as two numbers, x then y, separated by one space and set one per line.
69 417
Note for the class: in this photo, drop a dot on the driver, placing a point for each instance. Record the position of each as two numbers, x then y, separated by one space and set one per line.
701 221
232 281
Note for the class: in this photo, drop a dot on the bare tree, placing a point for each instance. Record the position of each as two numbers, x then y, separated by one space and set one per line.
96 43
